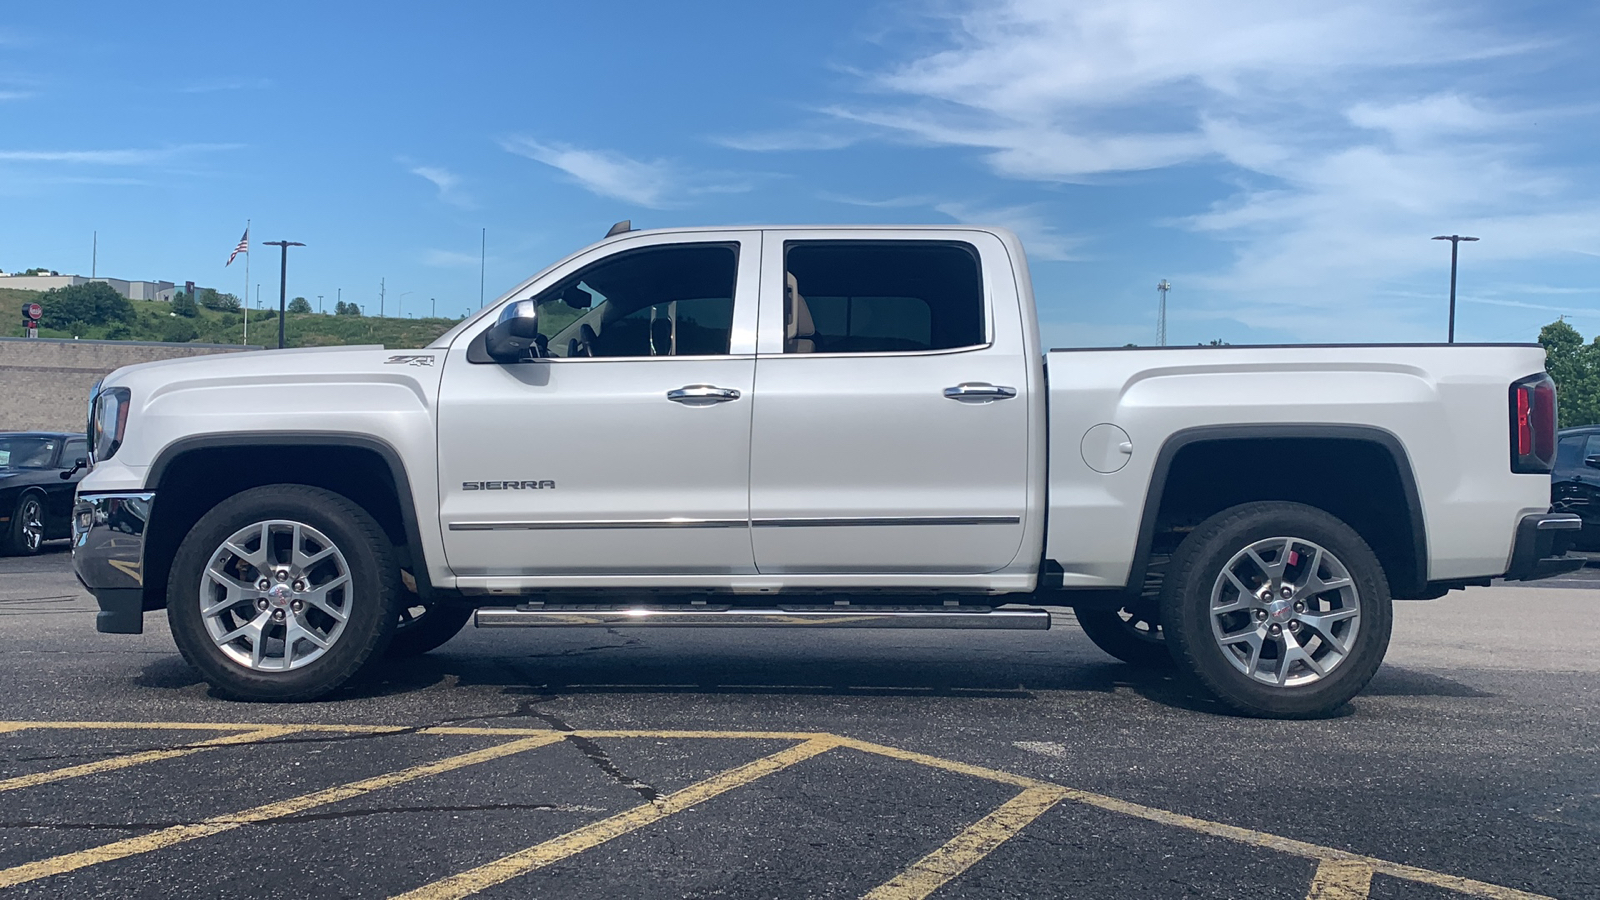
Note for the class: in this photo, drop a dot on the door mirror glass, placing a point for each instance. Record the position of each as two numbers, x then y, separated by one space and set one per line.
515 335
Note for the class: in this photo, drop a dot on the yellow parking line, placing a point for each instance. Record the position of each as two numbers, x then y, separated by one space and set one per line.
1301 848
930 873
178 834
1341 879
134 759
949 765
554 850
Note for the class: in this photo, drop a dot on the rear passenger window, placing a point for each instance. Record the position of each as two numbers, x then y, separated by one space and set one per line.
881 296
1569 453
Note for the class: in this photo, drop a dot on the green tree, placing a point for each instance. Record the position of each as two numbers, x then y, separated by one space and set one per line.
300 305
95 303
1575 366
346 309
183 304
178 331
210 299
39 272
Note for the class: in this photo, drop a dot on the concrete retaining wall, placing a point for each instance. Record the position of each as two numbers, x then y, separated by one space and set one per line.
44 384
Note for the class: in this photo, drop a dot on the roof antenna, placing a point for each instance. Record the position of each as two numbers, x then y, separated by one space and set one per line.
623 227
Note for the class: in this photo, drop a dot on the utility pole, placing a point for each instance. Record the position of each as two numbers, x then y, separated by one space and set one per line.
319 304
381 289
1161 313
433 307
283 282
338 297
483 257
94 256
1455 243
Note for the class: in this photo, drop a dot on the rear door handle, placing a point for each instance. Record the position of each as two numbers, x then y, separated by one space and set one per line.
979 392
702 395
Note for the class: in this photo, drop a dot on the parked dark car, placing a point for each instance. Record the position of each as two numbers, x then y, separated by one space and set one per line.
1575 481
39 471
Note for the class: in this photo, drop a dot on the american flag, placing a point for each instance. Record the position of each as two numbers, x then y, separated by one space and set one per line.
244 247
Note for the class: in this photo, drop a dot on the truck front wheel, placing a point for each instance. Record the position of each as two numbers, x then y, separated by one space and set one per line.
1279 609
284 592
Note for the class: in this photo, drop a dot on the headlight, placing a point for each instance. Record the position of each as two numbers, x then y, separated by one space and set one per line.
108 422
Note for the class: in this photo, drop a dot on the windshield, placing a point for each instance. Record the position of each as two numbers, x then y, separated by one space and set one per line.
27 452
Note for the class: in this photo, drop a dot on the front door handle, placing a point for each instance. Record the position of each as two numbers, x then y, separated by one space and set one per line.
979 392
702 395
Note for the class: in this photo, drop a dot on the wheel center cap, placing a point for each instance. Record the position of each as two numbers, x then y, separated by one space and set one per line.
280 595
1278 610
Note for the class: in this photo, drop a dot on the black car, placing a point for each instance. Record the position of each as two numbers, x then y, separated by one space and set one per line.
1575 481
39 470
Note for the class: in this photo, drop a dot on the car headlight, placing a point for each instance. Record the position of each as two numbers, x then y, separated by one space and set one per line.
108 422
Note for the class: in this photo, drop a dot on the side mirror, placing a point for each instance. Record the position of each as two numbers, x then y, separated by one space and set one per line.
515 333
1592 462
81 462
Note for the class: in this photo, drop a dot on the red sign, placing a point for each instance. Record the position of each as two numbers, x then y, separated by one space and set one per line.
33 311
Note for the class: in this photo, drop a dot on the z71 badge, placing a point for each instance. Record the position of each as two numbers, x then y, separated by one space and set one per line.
506 485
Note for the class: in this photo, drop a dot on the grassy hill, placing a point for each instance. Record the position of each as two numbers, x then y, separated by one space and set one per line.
154 321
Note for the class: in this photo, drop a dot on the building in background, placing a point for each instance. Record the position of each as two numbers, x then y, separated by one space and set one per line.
133 290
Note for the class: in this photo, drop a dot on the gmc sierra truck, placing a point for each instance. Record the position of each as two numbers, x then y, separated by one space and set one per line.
811 427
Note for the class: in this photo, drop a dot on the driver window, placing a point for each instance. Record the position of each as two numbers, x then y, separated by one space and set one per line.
673 300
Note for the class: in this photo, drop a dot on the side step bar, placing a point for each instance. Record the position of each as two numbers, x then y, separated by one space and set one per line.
706 616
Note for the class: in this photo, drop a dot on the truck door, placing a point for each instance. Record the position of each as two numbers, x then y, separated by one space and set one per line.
626 450
890 432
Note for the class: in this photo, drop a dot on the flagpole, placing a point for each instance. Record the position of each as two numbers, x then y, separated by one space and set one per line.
245 341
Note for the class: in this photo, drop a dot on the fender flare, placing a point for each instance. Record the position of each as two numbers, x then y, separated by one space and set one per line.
1178 440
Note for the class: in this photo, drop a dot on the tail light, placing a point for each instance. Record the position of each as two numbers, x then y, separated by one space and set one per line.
1533 424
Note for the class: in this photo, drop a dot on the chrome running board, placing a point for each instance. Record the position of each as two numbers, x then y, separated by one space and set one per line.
534 615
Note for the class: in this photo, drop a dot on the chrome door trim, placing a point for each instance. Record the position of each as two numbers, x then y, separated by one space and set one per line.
980 391
894 521
702 394
559 524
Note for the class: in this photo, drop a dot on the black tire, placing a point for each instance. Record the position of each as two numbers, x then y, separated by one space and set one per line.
20 539
372 598
426 626
1132 634
1186 611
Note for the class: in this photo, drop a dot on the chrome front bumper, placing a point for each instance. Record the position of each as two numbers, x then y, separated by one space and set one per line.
108 533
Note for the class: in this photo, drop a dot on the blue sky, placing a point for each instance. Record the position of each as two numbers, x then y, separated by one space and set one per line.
1283 164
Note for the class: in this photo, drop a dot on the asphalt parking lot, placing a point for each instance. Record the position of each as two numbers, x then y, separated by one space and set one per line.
616 763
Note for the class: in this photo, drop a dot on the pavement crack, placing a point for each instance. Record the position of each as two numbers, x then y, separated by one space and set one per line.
593 752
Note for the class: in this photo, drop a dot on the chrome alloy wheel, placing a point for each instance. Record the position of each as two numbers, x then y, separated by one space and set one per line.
1285 611
276 595
32 515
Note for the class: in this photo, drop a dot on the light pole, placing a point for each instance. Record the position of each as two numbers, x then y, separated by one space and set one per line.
283 281
1455 243
319 304
400 305
1161 314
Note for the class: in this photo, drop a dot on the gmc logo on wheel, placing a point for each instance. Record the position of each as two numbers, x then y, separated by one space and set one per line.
506 485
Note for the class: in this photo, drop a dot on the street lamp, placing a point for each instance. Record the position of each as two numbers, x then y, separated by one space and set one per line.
283 282
399 305
1455 242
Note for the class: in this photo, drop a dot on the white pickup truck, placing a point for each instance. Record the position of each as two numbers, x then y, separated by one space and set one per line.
811 427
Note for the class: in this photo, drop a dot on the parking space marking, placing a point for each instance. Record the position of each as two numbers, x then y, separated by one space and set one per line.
1341 879
931 872
178 834
134 759
1341 874
470 882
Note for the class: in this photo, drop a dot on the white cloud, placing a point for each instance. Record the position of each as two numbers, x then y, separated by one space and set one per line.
448 184
209 87
647 184
15 95
821 138
129 157
1345 134
1039 237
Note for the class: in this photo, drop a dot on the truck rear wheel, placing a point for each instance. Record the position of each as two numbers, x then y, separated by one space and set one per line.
1132 634
1279 609
284 592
